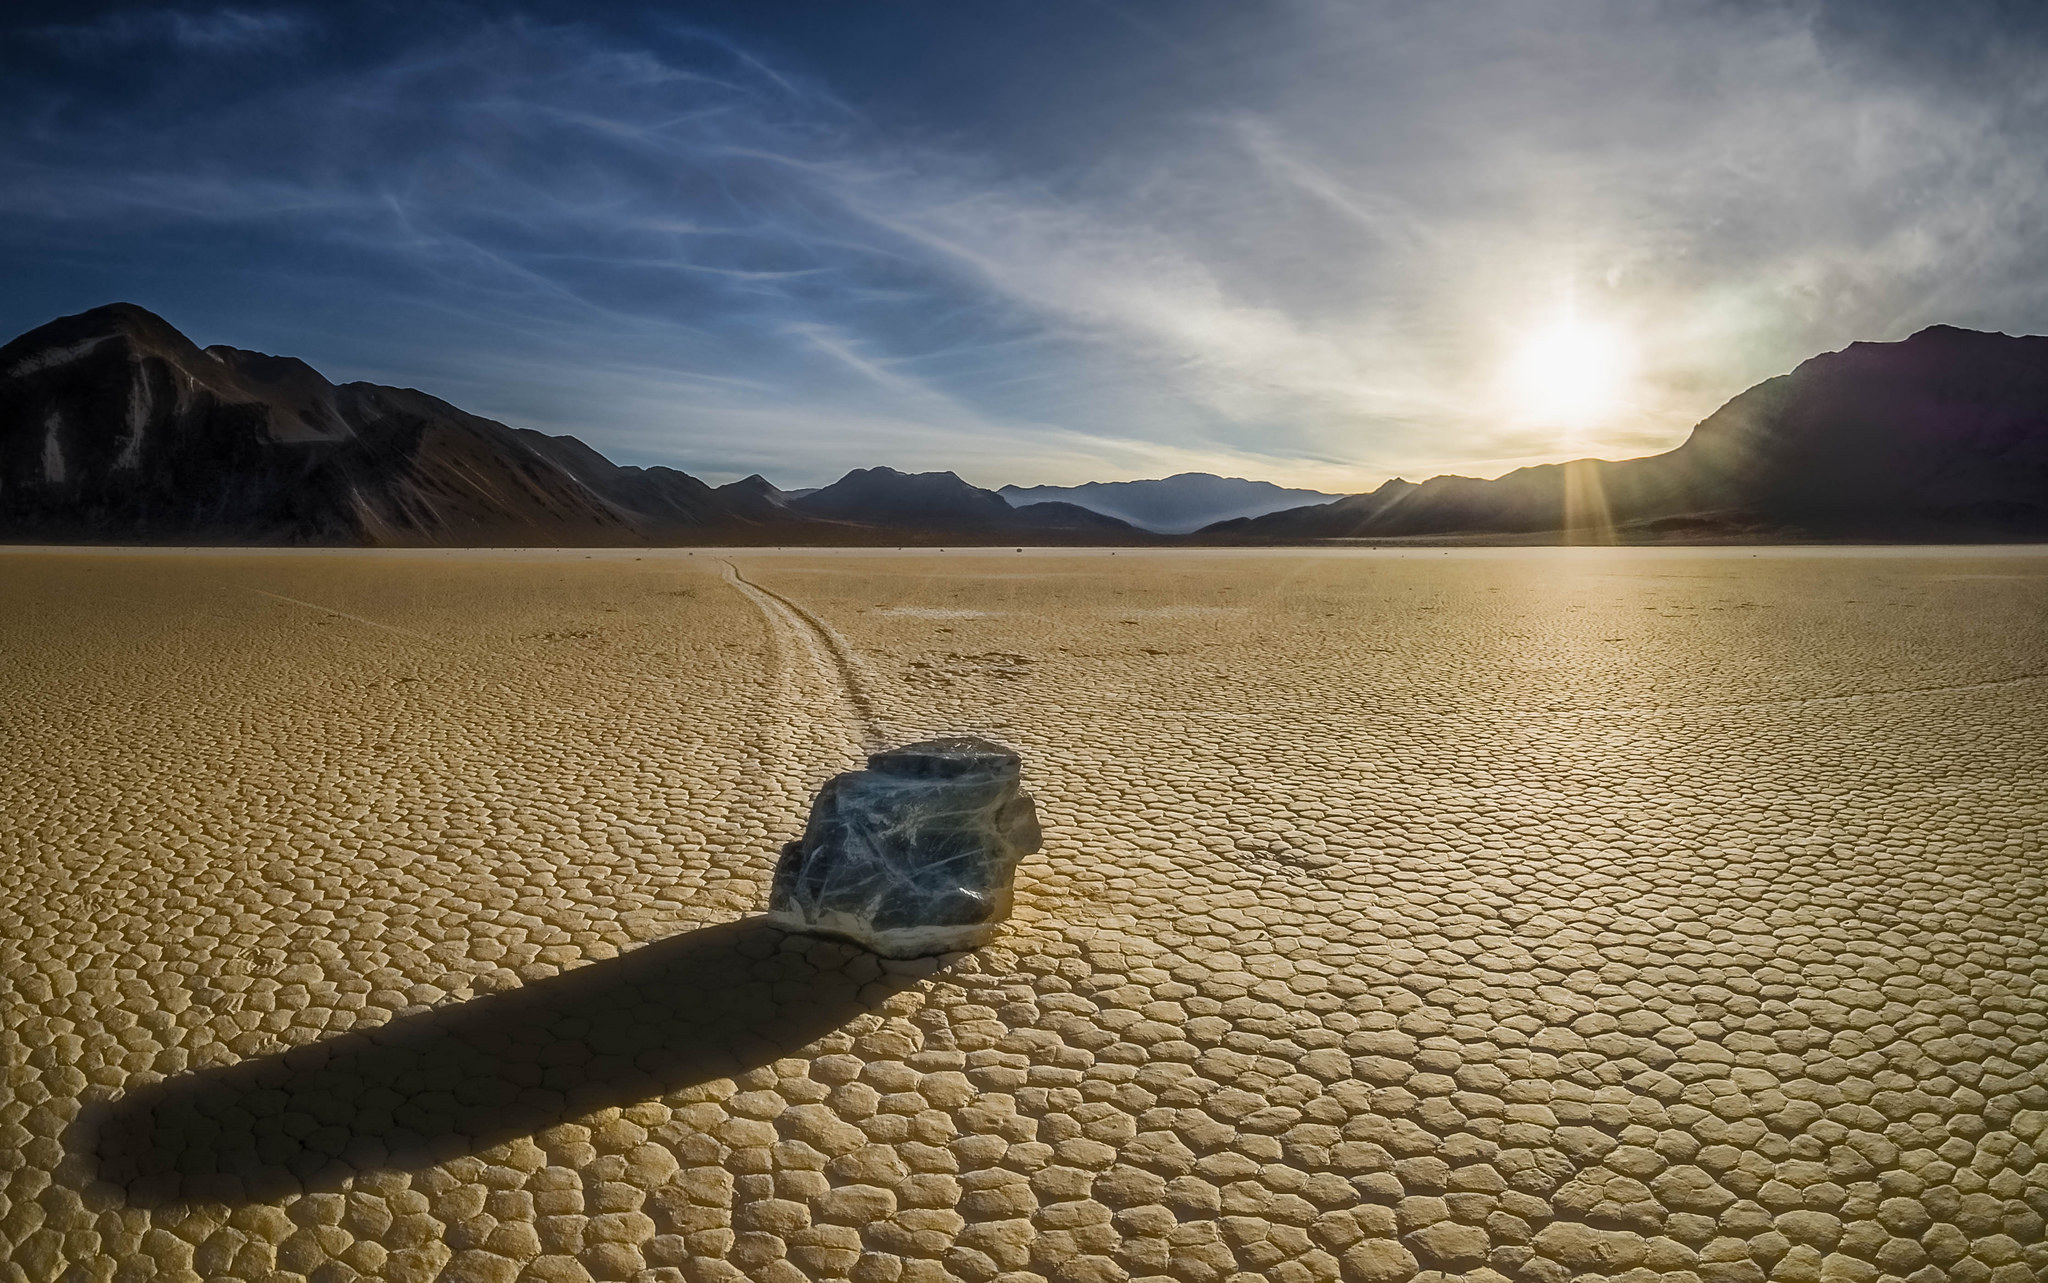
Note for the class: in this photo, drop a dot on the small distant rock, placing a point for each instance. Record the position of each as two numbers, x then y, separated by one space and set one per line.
914 855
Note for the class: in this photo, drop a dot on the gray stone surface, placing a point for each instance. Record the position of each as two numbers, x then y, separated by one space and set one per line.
914 855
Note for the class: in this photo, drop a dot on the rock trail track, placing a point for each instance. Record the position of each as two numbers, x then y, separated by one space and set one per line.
836 679
1591 915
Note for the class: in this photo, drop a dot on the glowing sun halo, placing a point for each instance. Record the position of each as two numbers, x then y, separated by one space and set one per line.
1569 372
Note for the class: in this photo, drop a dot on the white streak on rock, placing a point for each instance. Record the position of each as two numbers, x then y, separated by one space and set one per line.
140 401
53 450
915 855
56 356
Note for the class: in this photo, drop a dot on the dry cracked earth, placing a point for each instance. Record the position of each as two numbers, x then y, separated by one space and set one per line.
1515 914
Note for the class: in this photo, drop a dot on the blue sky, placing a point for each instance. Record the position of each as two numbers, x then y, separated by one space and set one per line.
1037 242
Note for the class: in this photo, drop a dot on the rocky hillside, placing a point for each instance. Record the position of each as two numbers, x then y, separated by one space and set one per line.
1941 436
116 428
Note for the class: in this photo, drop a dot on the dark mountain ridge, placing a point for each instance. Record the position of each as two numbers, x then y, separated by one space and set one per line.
1942 436
1179 504
942 501
114 427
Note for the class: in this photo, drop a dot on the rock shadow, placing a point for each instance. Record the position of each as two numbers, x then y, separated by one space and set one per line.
438 1084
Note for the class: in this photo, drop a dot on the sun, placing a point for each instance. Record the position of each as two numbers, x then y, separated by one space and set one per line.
1569 372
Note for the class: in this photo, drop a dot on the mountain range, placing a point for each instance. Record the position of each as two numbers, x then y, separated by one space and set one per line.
116 428
1175 505
1940 437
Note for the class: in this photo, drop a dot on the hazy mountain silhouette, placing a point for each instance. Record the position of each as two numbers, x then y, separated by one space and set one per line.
1941 436
1178 504
942 501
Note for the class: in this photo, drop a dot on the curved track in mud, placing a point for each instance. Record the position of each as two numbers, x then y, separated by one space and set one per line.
807 642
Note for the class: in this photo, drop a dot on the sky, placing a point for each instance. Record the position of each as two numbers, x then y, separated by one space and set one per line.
1040 241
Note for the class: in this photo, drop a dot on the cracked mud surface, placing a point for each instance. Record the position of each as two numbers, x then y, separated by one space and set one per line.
1507 914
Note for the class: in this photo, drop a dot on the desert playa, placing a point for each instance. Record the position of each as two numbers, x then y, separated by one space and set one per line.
1539 914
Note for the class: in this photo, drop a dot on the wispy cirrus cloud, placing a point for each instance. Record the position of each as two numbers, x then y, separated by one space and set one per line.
689 253
223 30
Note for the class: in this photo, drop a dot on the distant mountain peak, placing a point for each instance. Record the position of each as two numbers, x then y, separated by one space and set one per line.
755 495
1952 332
941 501
1177 504
118 316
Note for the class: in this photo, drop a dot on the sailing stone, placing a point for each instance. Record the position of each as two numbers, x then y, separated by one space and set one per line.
914 855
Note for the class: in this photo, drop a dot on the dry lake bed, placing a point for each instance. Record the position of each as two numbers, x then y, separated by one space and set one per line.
1517 913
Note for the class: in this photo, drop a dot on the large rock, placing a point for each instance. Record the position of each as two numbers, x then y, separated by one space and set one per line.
913 856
